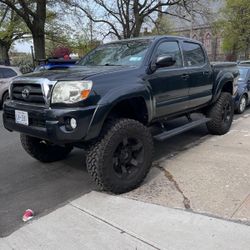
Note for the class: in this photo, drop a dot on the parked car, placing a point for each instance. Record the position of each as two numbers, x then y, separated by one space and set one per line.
7 74
111 100
242 98
55 64
244 62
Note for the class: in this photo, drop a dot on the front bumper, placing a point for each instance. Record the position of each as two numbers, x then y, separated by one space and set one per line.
50 124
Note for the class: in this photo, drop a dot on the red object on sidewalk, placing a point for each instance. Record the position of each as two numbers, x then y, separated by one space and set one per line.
28 215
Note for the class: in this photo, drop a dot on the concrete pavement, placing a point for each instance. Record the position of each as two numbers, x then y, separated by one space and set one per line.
27 183
102 221
211 177
208 175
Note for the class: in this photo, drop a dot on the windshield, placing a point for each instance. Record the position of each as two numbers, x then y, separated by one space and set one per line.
129 53
243 74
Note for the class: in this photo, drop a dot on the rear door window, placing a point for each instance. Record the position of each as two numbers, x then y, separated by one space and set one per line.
193 54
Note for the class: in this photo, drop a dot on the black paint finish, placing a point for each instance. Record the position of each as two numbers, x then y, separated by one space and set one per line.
166 91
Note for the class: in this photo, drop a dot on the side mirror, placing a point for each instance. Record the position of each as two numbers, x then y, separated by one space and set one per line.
165 61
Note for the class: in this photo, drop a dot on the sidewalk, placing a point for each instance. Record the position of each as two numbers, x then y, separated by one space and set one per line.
102 221
210 176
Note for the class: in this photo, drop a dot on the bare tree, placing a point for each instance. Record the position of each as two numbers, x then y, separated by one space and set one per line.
124 18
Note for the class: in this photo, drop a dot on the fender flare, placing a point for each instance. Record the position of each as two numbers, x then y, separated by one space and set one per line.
110 100
221 81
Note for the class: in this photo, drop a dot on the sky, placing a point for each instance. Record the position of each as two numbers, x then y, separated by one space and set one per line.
78 23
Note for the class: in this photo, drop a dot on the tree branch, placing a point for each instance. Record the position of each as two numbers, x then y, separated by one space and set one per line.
100 21
18 11
4 15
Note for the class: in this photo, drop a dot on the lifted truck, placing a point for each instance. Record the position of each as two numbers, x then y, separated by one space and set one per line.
109 103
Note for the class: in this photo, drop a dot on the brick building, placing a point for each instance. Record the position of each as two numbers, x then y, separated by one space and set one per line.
198 24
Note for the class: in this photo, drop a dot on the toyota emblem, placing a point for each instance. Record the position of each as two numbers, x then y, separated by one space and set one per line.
25 93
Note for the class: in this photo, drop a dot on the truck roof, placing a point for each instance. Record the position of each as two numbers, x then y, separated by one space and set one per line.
157 37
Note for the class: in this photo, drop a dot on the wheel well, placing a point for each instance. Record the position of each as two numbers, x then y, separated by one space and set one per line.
228 87
246 95
4 93
134 108
1 99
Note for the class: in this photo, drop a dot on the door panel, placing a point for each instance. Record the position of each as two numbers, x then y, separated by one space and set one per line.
169 85
200 74
200 86
170 90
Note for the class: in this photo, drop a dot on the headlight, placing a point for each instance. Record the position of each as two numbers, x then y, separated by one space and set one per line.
71 91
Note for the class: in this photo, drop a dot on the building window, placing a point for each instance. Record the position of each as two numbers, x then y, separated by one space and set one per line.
208 43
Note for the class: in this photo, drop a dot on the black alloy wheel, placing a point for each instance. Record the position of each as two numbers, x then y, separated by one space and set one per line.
127 157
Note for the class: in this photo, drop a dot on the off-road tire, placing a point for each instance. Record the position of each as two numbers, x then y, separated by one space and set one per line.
239 110
43 151
99 158
217 125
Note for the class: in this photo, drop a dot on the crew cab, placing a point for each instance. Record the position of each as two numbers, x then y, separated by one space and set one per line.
109 103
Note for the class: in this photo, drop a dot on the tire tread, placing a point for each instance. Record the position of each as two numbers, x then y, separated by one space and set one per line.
43 154
96 155
215 126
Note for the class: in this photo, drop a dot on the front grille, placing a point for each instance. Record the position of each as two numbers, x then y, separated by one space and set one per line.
35 119
31 93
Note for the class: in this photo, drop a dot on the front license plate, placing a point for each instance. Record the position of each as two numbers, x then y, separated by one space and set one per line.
22 117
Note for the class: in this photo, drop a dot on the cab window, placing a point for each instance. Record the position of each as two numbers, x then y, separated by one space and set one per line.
7 73
193 54
170 48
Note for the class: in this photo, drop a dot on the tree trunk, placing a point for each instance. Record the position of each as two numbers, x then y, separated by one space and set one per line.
4 55
39 46
137 29
247 52
37 30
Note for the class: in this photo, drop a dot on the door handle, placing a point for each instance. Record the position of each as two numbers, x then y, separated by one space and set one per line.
206 73
185 76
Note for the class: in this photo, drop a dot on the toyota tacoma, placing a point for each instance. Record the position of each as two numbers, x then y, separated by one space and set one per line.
109 103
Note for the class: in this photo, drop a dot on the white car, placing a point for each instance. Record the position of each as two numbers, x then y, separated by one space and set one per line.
7 74
244 62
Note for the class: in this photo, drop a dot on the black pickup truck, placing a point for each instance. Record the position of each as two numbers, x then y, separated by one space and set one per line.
110 102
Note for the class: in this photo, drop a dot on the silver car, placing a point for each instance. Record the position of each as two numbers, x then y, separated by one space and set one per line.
7 74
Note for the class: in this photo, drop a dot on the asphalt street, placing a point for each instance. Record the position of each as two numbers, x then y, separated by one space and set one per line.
26 183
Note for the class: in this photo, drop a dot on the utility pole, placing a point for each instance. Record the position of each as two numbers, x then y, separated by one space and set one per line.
32 54
91 31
